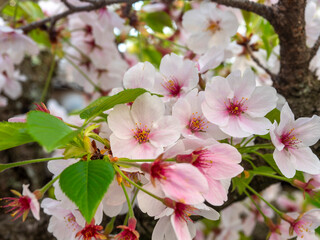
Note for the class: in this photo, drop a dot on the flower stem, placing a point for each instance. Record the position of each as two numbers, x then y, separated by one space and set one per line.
17 164
71 125
257 206
131 214
274 176
247 142
96 87
269 204
49 77
136 185
49 184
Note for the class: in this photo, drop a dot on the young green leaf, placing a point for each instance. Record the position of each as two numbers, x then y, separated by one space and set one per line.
13 134
104 103
49 131
85 183
158 20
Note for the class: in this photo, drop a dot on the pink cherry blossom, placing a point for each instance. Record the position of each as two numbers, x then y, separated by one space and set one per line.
211 59
292 139
175 222
177 76
129 232
23 204
63 222
237 106
181 182
16 44
188 111
143 130
304 225
217 162
209 26
141 75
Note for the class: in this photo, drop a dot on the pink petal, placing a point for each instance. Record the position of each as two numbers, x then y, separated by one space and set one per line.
180 227
141 75
216 195
185 183
167 132
120 122
234 129
147 109
259 125
262 101
307 130
306 160
285 162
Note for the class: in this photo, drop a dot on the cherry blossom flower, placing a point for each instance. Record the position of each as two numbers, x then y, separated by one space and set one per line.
16 44
175 221
304 225
292 139
237 106
209 26
217 162
90 232
129 231
9 78
23 204
188 111
63 222
141 75
181 182
141 131
178 76
211 59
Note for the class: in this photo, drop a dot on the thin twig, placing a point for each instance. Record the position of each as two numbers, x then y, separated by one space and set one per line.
257 61
314 49
92 6
260 9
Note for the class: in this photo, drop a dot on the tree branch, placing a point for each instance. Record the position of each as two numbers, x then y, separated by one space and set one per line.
257 61
73 9
257 8
314 49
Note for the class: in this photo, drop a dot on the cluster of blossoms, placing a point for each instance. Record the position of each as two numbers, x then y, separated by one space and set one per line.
178 147
13 46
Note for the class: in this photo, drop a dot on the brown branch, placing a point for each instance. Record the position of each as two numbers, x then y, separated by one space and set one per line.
257 8
314 49
257 61
73 9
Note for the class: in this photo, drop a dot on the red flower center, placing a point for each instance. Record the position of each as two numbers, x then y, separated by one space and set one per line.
91 231
235 107
197 123
141 134
289 140
173 87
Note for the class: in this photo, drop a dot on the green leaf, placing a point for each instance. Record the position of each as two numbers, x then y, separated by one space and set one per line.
158 20
104 103
299 175
9 10
269 159
49 131
85 183
32 9
262 169
237 182
13 134
274 115
40 37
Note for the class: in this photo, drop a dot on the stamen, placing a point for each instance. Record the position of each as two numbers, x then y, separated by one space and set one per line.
173 86
141 134
235 107
197 123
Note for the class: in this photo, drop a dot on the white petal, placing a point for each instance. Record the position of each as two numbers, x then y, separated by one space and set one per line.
262 101
285 162
306 160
